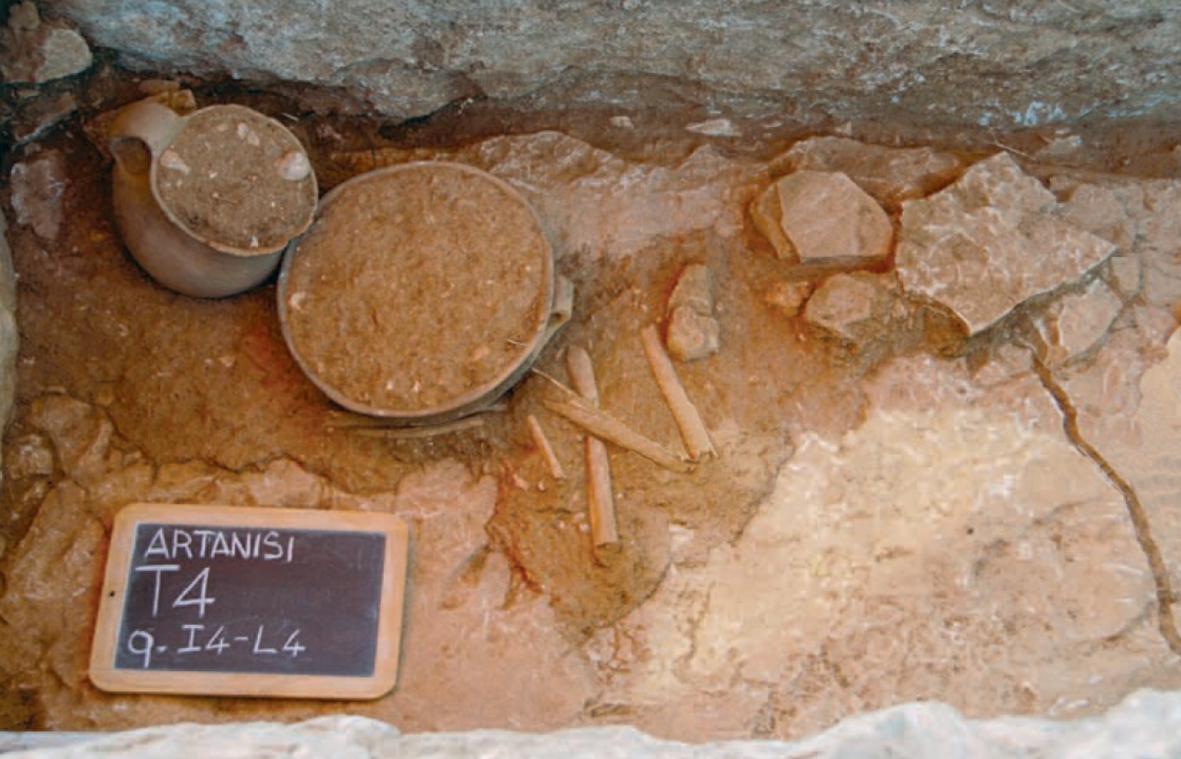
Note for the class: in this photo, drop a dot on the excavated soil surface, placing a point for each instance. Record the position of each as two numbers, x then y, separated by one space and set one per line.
895 513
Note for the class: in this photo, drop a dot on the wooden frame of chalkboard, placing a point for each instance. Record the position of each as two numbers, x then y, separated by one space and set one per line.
109 668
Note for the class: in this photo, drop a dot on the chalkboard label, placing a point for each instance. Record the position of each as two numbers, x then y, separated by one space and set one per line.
238 601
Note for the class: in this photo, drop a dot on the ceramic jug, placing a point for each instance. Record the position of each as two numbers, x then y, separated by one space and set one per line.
172 252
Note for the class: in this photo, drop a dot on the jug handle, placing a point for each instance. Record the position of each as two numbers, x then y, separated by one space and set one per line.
140 133
562 308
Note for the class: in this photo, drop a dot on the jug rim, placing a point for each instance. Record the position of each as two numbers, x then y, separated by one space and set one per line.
221 247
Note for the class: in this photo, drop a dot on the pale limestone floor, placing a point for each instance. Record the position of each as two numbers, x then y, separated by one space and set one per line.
897 513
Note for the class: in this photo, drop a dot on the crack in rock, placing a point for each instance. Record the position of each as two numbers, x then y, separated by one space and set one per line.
1160 574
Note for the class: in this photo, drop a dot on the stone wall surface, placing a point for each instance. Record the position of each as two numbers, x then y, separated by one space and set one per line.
9 337
998 64
1146 724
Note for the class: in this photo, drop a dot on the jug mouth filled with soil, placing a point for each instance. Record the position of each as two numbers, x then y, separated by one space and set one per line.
421 293
236 180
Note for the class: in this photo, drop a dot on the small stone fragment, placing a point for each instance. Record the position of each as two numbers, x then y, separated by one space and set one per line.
169 159
249 135
890 175
23 17
293 165
989 242
715 128
40 115
828 220
693 332
856 306
765 214
691 336
158 86
37 188
30 457
788 297
1077 322
34 51
694 289
1062 145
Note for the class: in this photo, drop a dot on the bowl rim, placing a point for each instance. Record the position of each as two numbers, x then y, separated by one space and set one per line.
473 399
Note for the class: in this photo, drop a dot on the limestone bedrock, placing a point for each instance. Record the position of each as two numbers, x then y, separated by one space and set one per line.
1006 64
991 241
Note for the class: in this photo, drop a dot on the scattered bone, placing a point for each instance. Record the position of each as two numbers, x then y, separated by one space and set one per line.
293 165
169 159
1061 146
599 495
543 445
607 427
715 128
693 430
582 374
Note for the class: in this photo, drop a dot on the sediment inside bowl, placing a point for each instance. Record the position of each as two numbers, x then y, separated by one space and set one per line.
237 179
417 286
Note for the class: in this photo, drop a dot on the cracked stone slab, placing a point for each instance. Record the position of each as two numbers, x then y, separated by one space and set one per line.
991 241
890 175
1016 573
1077 322
1139 432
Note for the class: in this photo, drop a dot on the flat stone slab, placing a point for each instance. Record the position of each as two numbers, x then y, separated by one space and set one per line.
823 219
890 175
991 241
